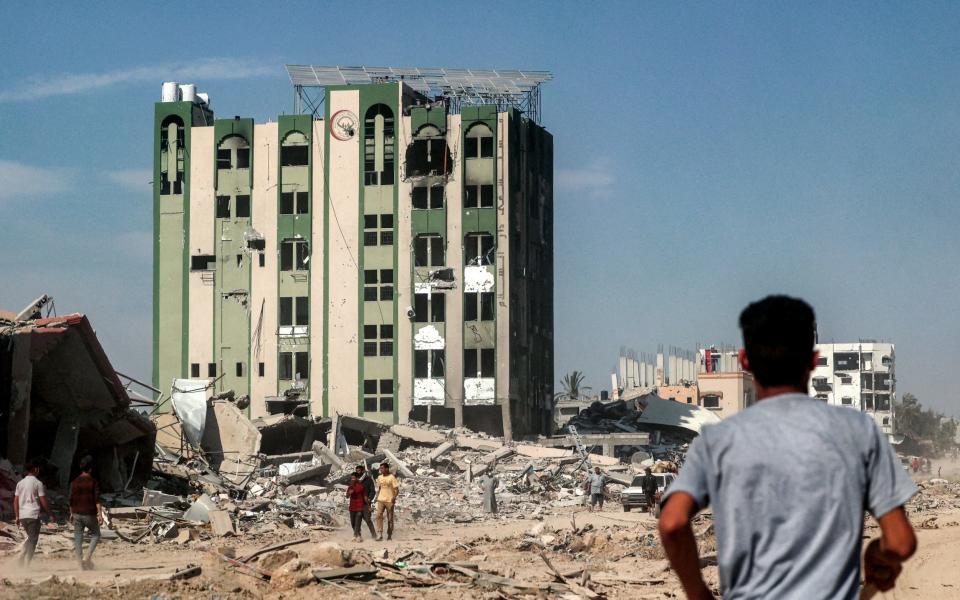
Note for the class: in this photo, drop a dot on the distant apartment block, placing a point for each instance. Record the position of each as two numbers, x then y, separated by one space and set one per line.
858 375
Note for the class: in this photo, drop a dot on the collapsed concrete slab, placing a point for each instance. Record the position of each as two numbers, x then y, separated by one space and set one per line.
61 399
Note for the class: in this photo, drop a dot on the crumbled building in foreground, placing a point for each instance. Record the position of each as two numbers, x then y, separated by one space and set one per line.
387 251
60 399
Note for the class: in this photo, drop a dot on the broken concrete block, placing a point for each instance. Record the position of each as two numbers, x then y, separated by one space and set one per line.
187 535
326 553
440 451
272 561
420 436
293 574
398 464
328 456
220 523
388 441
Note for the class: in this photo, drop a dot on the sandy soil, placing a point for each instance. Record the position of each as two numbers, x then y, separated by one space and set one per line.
621 555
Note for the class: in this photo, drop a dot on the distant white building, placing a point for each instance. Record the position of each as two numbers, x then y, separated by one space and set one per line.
858 375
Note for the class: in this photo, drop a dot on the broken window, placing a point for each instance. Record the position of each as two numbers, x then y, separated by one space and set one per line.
294 255
846 361
239 369
378 146
429 308
243 206
303 203
195 370
285 367
378 230
378 284
171 155
211 369
478 142
428 364
820 384
294 311
243 158
711 401
224 160
479 362
479 306
223 207
881 381
867 401
378 340
428 251
286 311
866 381
478 196
424 197
883 401
478 249
286 203
428 153
294 152
203 262
301 365
378 395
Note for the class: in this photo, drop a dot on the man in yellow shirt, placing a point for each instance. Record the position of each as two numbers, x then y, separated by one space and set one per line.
387 490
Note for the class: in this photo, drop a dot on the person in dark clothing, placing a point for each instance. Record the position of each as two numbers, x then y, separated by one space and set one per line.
85 511
367 481
649 486
357 495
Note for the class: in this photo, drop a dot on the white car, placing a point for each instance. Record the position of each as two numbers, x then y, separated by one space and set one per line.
633 496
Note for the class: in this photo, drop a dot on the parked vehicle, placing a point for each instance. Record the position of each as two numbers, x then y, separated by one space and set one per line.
633 496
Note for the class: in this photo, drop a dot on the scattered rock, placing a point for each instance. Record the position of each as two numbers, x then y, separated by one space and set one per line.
273 560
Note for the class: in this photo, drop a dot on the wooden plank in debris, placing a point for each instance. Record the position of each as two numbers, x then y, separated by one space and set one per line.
401 466
321 450
359 572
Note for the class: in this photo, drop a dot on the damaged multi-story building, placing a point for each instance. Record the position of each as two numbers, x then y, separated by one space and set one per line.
385 251
859 375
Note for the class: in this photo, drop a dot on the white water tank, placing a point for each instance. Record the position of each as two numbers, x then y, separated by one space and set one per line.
188 92
204 98
168 91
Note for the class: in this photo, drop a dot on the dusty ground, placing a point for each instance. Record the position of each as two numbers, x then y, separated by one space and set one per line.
618 549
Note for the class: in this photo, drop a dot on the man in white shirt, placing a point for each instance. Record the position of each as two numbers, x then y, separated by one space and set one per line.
28 500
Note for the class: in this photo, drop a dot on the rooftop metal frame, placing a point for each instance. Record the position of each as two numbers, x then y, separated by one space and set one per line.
460 87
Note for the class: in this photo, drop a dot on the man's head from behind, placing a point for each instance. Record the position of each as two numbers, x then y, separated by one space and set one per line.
778 338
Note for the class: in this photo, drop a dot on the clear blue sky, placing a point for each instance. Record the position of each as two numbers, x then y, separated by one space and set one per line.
706 155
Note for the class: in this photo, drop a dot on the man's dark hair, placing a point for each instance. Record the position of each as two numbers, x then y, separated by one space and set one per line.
360 468
778 337
86 464
30 465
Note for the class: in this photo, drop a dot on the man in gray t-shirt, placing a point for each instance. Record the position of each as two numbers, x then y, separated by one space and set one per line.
788 480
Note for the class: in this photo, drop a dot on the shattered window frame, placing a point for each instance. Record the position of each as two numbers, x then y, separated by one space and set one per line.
478 248
285 366
429 364
294 255
223 207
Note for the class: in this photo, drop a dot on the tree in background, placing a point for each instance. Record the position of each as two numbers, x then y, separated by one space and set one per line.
919 424
572 384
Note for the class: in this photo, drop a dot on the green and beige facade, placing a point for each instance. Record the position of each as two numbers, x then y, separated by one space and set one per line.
390 257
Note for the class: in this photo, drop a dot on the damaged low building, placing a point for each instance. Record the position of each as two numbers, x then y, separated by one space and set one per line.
387 256
60 399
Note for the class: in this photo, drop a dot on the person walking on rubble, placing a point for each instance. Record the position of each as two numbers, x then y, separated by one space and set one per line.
596 483
388 488
29 498
86 513
649 486
789 480
357 498
368 485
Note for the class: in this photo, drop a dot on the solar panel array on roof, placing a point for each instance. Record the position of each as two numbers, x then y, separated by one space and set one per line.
430 81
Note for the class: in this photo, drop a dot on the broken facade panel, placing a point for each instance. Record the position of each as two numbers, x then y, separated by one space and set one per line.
60 400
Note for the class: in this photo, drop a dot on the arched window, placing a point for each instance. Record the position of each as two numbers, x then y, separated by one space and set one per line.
378 145
233 153
428 154
171 155
478 143
294 150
